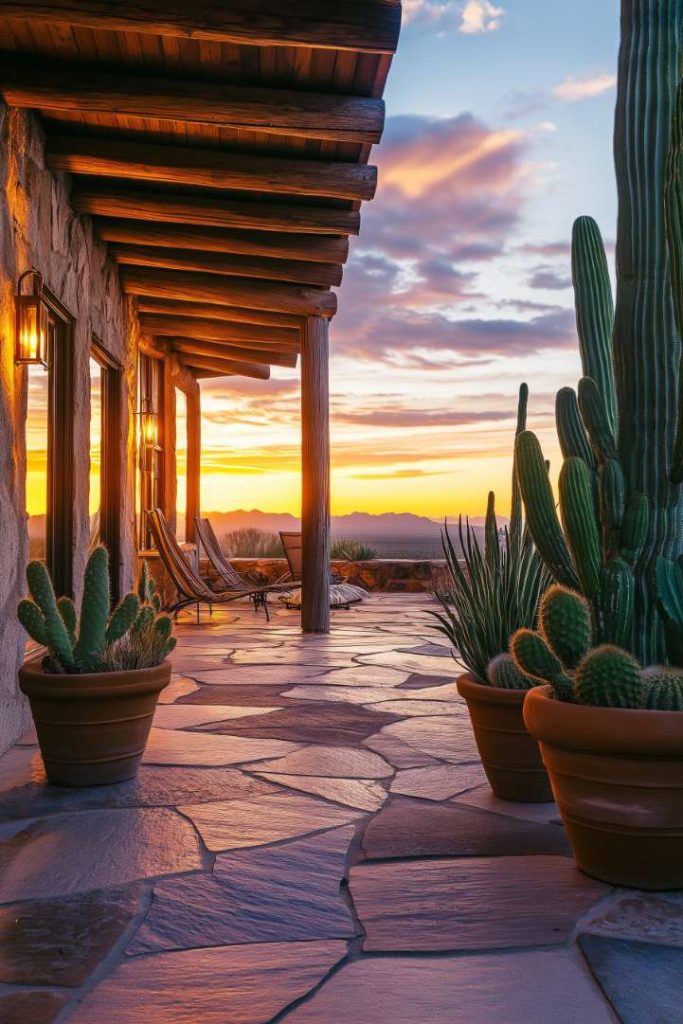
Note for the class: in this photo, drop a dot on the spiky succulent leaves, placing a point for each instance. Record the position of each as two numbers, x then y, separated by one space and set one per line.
503 673
570 429
595 417
580 524
673 218
609 677
144 619
616 604
33 621
565 623
533 656
56 634
123 617
164 626
491 542
67 610
539 504
594 311
662 688
94 612
516 501
634 528
143 580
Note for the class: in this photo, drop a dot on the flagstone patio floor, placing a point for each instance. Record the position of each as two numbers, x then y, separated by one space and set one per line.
311 840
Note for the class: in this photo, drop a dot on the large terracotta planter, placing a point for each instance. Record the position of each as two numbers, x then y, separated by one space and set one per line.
617 775
510 756
92 729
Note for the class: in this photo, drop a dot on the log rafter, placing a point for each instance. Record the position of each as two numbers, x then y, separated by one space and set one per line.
218 311
159 325
266 356
229 366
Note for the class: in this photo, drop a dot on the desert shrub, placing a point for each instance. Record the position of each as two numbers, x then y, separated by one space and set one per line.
353 551
252 543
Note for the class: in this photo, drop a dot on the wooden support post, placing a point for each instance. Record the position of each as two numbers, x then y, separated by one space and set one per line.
193 460
315 464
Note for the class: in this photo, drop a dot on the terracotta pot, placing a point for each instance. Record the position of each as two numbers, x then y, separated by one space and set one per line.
92 728
510 756
617 775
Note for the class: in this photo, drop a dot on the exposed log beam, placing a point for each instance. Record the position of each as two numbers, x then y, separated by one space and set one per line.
370 26
267 356
230 291
234 314
218 213
322 274
209 168
310 248
217 330
254 370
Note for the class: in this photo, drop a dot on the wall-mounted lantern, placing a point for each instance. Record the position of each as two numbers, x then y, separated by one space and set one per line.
32 320
149 433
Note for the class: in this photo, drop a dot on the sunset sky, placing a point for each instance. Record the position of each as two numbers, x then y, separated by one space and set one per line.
458 287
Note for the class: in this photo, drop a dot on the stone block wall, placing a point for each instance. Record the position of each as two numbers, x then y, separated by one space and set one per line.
39 228
390 575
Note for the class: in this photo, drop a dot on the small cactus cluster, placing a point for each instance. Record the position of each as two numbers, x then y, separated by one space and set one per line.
561 653
90 644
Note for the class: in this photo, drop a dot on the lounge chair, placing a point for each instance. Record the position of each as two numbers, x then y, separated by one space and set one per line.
222 566
341 594
191 588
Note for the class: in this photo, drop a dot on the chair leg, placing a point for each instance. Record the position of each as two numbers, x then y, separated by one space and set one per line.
197 612
265 607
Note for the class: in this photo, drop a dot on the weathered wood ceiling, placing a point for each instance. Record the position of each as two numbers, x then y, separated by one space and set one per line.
220 147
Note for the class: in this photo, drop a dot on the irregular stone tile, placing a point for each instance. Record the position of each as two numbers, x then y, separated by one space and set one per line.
61 942
225 985
179 716
309 723
68 853
438 781
178 687
412 828
419 708
342 694
422 663
30 1005
264 675
264 819
334 762
447 737
484 798
364 675
292 656
276 894
515 988
420 681
430 649
20 766
244 695
644 916
470 903
643 982
189 662
166 746
152 787
397 752
367 796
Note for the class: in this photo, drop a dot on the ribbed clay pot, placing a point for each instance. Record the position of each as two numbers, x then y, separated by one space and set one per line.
510 756
92 728
617 775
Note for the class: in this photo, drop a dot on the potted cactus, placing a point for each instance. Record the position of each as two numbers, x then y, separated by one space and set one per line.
496 591
611 733
93 694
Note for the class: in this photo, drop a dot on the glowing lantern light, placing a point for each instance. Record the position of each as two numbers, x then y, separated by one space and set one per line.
32 318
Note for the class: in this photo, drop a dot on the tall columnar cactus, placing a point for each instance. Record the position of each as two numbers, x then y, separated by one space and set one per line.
620 496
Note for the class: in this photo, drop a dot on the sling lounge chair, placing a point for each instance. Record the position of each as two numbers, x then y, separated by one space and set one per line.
191 588
341 594
226 572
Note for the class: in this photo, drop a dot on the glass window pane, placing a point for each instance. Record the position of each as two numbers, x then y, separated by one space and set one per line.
37 440
181 461
95 497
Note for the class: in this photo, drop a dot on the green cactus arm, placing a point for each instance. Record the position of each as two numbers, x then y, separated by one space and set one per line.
670 588
33 621
612 506
533 656
634 528
663 688
541 517
565 623
595 418
67 610
40 587
142 582
570 429
503 673
673 217
616 603
609 677
163 626
516 501
580 525
123 617
42 592
170 646
594 311
94 610
144 619
491 542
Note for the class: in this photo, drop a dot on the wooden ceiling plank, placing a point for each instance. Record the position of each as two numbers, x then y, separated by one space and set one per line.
234 314
220 330
255 370
253 355
209 168
369 26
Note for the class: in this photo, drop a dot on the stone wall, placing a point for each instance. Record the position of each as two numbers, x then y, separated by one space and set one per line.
391 575
38 228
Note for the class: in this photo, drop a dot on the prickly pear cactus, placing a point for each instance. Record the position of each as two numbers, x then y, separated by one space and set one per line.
565 624
609 677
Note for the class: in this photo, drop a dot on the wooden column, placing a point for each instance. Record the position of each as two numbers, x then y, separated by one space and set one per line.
193 459
315 464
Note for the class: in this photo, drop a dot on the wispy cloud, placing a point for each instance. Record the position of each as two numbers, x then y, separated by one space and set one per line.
480 16
574 89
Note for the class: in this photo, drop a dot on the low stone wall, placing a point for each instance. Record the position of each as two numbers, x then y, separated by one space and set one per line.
390 575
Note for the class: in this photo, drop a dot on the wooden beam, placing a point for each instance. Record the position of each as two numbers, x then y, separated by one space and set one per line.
315 472
233 314
209 168
322 274
267 356
369 26
206 374
194 460
254 370
217 213
229 291
157 324
311 248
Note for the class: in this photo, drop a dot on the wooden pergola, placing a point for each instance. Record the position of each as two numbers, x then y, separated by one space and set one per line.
221 147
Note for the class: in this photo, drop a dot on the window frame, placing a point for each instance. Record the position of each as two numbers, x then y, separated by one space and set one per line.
111 460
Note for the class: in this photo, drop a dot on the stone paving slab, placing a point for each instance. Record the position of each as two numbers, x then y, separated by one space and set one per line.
396 752
643 982
514 988
166 746
225 985
645 916
30 1006
470 903
309 723
276 894
484 799
333 762
438 781
446 737
360 793
179 716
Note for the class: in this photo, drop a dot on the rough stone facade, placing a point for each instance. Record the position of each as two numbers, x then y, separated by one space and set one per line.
391 575
39 228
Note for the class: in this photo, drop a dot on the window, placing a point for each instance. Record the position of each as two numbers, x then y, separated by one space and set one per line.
104 501
150 442
181 463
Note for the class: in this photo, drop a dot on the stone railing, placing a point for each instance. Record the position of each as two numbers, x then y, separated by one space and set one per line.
391 575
